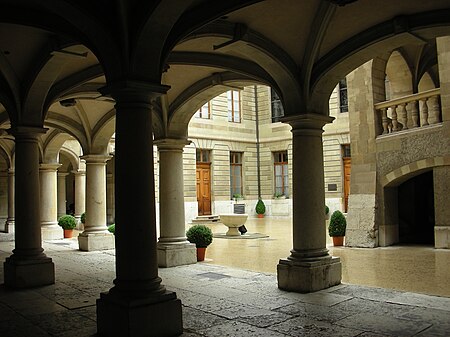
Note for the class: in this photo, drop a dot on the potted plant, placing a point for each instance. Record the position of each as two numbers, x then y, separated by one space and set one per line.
68 223
336 228
327 212
238 197
279 195
202 237
112 228
260 208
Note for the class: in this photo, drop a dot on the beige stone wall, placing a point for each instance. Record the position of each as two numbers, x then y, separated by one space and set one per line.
366 86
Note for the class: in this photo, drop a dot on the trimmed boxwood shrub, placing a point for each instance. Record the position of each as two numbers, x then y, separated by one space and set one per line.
260 208
201 235
337 225
83 218
67 222
112 228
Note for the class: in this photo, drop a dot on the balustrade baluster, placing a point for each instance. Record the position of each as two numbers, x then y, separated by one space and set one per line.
384 120
424 112
434 110
414 114
403 114
395 126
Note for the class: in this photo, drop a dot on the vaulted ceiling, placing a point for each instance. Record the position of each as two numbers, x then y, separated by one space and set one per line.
67 50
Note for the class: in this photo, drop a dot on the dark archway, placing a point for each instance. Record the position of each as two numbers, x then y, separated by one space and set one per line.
416 210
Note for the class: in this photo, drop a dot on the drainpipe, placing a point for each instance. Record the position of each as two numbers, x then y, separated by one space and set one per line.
257 142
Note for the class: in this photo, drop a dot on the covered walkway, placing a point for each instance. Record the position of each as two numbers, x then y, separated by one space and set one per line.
234 293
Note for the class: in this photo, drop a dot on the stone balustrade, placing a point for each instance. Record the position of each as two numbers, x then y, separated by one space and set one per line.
412 111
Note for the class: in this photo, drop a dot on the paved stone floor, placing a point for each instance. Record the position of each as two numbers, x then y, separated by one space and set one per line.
218 301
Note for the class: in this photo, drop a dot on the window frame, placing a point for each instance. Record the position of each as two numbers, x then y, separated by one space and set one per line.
281 159
234 116
235 161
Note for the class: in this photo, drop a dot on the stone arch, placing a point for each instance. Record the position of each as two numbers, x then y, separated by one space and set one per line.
102 133
72 157
405 172
399 74
366 45
53 145
189 101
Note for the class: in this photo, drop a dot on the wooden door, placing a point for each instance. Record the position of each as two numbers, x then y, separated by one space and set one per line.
347 168
204 188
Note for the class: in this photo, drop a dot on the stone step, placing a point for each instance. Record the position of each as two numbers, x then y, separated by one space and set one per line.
206 219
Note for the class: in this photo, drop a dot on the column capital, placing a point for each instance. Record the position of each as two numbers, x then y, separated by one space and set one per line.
309 121
96 158
26 132
81 173
168 144
11 171
134 91
63 174
49 166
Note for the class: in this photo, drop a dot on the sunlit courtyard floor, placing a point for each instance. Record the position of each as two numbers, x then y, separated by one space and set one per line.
421 269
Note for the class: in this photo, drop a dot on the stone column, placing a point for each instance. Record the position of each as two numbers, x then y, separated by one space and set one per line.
309 267
138 301
62 203
441 178
110 214
49 202
3 200
28 266
173 248
80 193
95 235
9 228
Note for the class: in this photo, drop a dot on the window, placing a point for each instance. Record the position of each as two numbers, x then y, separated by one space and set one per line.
234 106
204 112
277 106
343 97
235 173
281 173
346 153
202 156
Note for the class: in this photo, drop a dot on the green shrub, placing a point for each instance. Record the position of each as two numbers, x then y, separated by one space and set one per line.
237 196
67 222
327 210
200 235
260 208
112 228
338 224
83 218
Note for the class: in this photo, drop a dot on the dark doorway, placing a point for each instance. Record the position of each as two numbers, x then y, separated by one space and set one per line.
416 210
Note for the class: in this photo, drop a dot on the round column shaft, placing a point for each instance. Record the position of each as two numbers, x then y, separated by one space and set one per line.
309 267
10 220
95 193
49 201
171 191
38 269
80 193
62 202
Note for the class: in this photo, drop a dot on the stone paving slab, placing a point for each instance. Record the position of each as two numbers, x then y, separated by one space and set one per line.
218 301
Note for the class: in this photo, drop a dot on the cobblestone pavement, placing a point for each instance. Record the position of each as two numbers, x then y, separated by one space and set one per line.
217 301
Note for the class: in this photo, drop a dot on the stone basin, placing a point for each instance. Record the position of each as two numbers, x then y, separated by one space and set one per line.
233 222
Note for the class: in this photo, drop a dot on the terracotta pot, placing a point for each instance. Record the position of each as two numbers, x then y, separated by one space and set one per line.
260 215
201 254
338 240
68 233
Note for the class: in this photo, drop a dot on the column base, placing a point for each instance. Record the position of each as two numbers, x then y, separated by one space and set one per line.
154 317
176 254
309 276
96 241
442 237
28 273
9 226
52 232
